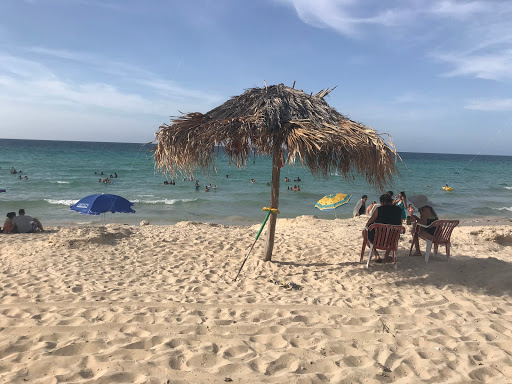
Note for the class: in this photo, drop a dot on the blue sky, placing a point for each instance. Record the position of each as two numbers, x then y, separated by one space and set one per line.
436 74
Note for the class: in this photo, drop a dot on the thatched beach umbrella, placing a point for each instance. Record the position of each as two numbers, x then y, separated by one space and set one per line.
281 122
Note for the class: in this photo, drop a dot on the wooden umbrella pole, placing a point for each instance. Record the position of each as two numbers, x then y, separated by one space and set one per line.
274 201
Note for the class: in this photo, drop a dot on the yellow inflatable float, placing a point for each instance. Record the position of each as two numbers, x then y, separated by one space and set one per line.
448 188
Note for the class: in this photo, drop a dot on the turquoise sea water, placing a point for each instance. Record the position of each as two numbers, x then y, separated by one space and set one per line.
59 173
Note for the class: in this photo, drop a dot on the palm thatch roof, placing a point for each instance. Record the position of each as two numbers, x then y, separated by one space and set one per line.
303 126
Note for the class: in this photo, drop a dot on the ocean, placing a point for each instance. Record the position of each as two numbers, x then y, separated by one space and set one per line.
61 172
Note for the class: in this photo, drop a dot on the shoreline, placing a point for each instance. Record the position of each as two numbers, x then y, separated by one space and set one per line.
157 303
466 221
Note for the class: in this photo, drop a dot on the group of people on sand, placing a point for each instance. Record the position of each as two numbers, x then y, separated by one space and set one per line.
399 201
21 223
393 211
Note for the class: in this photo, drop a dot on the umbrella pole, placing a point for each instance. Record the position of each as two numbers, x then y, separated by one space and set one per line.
256 239
274 201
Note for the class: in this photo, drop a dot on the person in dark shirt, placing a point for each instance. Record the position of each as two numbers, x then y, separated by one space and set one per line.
360 208
386 213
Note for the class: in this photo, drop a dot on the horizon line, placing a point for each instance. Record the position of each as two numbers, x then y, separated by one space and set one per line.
150 142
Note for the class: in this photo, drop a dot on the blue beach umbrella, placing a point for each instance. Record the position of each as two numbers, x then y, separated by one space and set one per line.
96 204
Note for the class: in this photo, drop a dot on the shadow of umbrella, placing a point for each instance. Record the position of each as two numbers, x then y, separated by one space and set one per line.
97 204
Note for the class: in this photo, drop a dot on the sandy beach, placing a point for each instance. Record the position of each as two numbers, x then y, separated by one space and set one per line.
157 304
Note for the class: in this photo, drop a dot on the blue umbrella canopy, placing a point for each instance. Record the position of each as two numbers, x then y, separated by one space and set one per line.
96 204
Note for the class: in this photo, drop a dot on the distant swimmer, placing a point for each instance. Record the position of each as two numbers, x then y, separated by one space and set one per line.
253 181
13 171
115 175
297 179
26 177
227 176
206 189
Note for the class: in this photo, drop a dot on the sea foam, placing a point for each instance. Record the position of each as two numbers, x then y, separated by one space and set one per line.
61 202
164 201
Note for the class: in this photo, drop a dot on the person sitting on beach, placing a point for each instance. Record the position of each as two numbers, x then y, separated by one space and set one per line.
26 224
386 213
360 208
370 207
427 217
410 210
8 226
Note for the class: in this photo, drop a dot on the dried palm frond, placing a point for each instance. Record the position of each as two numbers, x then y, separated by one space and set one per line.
301 125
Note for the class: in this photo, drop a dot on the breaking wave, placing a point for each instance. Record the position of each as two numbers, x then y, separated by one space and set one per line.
61 202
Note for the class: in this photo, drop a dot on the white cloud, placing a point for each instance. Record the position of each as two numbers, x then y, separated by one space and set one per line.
474 37
496 66
459 9
490 105
31 82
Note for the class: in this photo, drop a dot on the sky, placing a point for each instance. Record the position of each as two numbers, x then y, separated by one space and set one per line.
434 74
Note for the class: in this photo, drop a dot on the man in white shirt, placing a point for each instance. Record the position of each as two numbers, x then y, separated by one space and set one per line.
26 224
360 208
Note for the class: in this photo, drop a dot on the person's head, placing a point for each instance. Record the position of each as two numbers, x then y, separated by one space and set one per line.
386 199
364 198
21 212
11 215
390 193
